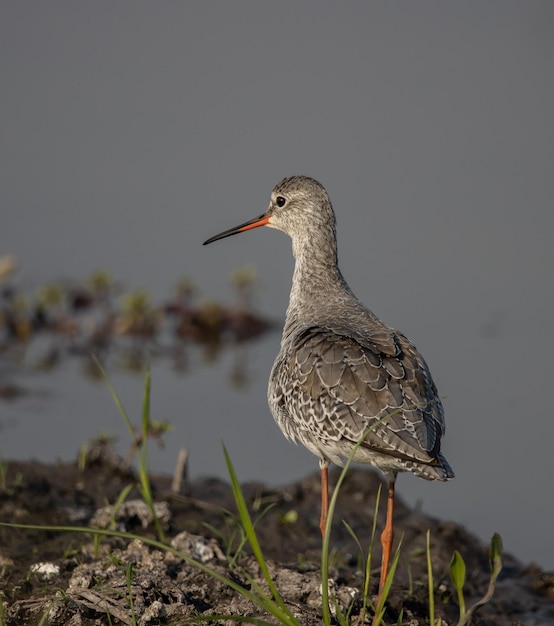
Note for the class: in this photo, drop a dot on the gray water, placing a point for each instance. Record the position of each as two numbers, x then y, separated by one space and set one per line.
133 131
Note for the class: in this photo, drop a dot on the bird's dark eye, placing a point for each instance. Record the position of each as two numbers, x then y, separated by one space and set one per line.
280 201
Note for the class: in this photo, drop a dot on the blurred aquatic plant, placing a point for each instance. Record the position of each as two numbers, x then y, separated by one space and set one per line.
51 295
210 323
16 318
83 318
138 315
101 284
136 304
8 266
186 289
244 281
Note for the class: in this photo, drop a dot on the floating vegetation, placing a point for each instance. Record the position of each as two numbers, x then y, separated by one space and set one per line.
98 317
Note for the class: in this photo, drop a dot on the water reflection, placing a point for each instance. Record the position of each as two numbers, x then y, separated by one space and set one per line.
123 330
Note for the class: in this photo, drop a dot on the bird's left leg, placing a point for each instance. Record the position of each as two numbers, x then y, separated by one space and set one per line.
387 536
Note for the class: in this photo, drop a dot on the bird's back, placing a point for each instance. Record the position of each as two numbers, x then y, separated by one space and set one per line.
349 377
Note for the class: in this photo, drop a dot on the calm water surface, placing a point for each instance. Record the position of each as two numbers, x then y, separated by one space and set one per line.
134 131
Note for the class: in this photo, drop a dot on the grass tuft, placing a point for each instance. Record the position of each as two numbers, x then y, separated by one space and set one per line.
140 443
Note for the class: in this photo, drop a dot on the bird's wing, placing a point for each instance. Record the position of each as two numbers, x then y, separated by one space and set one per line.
379 381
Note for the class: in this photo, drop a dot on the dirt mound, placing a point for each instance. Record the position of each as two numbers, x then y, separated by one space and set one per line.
72 580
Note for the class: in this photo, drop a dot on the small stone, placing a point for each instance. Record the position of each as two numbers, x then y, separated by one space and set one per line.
45 571
152 614
197 547
131 513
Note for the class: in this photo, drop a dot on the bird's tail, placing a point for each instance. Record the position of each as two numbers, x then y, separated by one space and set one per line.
438 469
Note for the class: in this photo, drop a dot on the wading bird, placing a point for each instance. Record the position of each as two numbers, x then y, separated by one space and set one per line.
341 375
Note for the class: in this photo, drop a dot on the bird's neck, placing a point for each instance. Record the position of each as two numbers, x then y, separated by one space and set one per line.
317 283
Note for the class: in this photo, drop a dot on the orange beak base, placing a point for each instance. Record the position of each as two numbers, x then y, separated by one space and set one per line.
262 220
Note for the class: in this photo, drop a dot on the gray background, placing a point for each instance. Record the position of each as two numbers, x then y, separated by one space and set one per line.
132 131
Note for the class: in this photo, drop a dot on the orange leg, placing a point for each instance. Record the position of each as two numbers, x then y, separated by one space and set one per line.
386 537
324 498
386 541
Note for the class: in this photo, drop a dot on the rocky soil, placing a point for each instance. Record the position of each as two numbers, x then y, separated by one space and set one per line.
51 577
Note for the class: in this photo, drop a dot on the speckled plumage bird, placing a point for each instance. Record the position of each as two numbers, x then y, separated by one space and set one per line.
341 375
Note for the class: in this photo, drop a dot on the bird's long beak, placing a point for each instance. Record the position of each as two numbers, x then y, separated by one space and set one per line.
262 220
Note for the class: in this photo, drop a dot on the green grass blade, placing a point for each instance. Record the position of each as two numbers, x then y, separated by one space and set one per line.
248 526
388 584
120 500
367 574
326 538
146 401
146 488
351 532
325 546
458 570
117 401
45 615
495 555
458 576
431 584
202 619
115 508
143 468
129 580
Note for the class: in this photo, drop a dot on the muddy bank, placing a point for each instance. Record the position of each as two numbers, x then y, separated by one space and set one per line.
82 585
